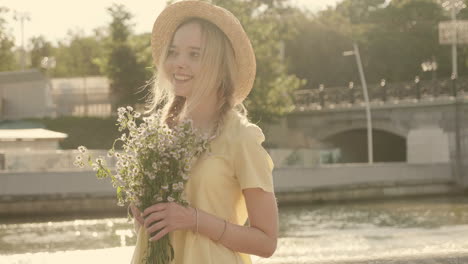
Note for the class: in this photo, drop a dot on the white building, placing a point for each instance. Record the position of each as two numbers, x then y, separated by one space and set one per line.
25 94
29 139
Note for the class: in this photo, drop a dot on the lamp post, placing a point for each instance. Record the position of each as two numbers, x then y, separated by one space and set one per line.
355 52
418 88
351 92
49 63
383 85
21 17
322 95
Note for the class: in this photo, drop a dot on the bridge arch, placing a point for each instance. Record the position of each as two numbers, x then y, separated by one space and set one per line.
383 126
352 145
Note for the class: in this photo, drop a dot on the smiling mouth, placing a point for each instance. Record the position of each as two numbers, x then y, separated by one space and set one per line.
181 78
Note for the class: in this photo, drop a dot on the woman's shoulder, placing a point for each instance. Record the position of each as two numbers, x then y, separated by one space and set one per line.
239 128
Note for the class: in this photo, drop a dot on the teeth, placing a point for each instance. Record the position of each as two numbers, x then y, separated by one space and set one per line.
181 77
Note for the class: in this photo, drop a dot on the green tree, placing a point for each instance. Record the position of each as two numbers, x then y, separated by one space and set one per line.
394 39
39 48
359 12
406 34
78 55
127 74
350 21
316 52
7 56
141 45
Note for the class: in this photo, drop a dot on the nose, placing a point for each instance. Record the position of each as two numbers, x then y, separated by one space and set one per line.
180 62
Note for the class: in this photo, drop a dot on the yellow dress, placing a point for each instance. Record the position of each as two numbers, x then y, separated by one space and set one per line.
237 161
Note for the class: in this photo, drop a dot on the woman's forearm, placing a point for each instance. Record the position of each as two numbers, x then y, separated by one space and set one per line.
244 239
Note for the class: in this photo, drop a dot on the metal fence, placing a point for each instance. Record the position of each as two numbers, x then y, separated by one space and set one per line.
82 104
329 97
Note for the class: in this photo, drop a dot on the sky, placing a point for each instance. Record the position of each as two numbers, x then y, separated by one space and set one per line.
53 18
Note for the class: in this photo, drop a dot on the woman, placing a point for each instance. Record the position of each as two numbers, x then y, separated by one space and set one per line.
206 69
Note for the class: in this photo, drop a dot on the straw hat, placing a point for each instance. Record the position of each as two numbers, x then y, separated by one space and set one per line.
173 15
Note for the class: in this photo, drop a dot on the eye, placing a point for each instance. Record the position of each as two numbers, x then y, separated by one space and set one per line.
171 52
195 54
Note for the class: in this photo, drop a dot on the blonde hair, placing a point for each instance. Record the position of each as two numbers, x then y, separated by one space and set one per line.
218 74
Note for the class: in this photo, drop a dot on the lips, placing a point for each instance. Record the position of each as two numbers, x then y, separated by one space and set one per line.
182 77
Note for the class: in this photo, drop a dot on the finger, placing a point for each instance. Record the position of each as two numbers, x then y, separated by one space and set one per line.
154 217
140 219
137 216
156 227
154 208
134 210
160 234
137 212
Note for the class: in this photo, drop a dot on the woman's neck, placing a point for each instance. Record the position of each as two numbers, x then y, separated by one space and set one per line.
205 115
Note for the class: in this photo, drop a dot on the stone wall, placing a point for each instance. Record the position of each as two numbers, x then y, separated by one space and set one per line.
75 191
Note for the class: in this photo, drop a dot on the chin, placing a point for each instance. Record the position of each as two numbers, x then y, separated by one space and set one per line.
181 92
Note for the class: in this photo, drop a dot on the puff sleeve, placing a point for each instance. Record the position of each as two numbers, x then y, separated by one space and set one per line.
253 165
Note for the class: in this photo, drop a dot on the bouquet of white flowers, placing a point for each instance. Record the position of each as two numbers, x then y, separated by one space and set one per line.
152 168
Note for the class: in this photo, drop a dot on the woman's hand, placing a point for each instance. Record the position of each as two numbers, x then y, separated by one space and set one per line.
167 217
137 214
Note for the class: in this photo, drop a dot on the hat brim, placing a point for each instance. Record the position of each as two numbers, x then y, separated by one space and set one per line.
173 15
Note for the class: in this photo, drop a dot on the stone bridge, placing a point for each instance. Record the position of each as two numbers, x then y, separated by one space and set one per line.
412 123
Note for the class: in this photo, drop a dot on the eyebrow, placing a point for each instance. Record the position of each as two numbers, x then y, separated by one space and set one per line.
194 48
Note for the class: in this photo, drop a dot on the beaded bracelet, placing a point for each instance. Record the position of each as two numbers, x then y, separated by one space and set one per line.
225 224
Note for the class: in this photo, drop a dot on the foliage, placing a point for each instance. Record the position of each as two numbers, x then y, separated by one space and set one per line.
316 53
39 48
394 39
406 35
141 44
7 56
121 64
77 55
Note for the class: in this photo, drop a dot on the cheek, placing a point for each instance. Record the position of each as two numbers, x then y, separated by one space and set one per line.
168 68
196 68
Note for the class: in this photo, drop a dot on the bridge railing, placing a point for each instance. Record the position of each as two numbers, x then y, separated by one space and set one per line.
416 91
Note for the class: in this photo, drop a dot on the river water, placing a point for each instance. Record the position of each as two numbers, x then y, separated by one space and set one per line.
351 232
